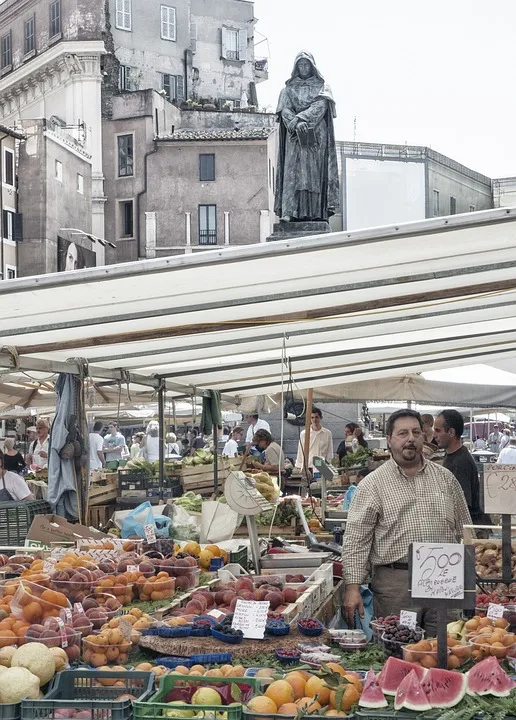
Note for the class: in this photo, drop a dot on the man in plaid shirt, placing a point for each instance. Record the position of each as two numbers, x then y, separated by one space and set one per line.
408 499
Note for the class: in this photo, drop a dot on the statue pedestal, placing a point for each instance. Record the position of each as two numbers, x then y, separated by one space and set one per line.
289 230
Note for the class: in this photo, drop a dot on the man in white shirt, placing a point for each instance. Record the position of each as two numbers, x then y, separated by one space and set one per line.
96 445
507 454
321 442
114 443
231 447
255 423
39 448
494 439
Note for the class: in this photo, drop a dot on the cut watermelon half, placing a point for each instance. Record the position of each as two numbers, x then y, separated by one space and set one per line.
372 695
444 688
488 678
394 671
410 694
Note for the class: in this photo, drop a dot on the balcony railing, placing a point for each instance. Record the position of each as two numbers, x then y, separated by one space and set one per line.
207 237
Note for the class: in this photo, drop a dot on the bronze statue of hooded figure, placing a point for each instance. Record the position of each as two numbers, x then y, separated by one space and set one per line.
307 179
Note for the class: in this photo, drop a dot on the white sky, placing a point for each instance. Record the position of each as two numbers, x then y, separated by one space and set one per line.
439 73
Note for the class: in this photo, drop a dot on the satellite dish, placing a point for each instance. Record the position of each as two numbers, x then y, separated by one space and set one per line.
242 496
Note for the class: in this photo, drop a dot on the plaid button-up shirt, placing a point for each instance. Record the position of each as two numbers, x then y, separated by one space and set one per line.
391 510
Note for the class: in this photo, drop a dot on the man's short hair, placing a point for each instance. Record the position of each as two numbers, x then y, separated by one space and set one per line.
405 412
97 426
453 420
42 423
427 419
237 430
262 435
113 423
253 415
317 411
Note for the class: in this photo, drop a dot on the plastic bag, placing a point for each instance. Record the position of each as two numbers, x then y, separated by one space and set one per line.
183 526
348 497
134 522
162 524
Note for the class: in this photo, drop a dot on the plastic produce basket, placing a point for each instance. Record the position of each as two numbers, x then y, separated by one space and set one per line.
153 709
172 661
83 690
10 711
240 556
16 519
250 715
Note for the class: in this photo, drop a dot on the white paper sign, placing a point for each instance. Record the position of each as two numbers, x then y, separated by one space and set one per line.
408 619
250 617
150 533
500 489
495 611
217 614
135 568
438 571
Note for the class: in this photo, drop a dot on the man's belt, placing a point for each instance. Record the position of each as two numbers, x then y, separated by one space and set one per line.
396 566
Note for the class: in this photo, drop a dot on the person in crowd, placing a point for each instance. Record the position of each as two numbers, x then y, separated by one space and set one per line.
321 442
12 486
96 445
507 454
353 436
226 432
150 446
255 423
234 441
428 429
506 436
494 439
185 447
136 445
32 434
114 443
480 443
407 499
274 459
449 426
197 441
13 459
172 446
38 449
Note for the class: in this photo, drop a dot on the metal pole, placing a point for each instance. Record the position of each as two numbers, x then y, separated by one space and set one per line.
506 550
254 542
161 420
308 424
442 638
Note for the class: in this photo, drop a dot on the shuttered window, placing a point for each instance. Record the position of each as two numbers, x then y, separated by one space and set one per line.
168 22
123 14
207 167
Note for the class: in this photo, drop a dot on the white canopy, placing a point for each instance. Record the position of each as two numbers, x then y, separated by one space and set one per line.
339 308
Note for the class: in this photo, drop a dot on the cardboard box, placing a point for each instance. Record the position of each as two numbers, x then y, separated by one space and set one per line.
49 530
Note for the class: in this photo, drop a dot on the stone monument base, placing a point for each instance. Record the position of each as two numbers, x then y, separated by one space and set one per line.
289 230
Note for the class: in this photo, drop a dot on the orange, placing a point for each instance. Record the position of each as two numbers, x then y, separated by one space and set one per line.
335 713
7 637
288 709
32 612
262 704
317 686
308 704
336 668
354 680
281 692
350 696
298 684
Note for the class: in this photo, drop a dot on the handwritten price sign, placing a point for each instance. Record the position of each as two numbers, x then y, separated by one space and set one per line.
438 571
250 616
500 489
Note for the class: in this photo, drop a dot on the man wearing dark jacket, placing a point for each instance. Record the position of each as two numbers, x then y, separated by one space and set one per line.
448 428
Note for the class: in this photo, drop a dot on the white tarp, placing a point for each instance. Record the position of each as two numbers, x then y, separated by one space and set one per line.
329 310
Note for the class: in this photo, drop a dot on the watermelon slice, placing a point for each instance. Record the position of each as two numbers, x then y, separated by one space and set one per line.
410 694
372 695
394 671
488 678
444 688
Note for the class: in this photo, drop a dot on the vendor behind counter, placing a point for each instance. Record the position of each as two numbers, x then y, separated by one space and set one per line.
12 486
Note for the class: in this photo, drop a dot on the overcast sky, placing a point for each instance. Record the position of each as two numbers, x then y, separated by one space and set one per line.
439 73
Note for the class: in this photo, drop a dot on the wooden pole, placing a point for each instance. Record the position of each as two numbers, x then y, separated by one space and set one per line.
308 423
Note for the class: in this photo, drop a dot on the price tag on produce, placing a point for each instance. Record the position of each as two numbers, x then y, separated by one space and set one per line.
499 489
77 607
495 611
150 534
217 614
49 565
408 619
250 617
438 571
134 568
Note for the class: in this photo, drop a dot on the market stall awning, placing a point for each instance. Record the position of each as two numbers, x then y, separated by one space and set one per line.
327 310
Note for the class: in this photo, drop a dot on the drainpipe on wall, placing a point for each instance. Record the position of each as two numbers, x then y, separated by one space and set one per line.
2 265
186 74
143 192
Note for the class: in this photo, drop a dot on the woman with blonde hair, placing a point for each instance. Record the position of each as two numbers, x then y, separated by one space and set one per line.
150 443
13 459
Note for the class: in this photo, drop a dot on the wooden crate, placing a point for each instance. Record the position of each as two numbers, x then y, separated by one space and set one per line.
99 515
103 492
201 478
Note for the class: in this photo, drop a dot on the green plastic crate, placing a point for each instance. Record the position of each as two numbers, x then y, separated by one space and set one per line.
153 709
16 518
250 715
77 689
10 711
240 557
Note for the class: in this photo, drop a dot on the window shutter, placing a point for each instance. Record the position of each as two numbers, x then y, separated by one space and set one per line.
224 42
18 227
193 37
242 44
180 88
